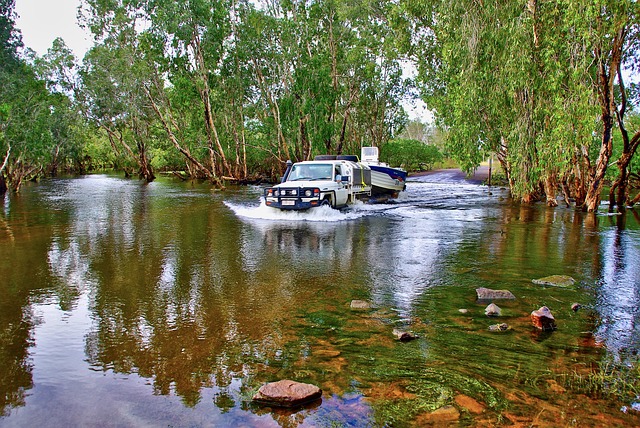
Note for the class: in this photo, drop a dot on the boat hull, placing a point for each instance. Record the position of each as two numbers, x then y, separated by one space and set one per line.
387 181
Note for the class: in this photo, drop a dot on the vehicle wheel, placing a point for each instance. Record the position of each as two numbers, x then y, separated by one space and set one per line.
325 202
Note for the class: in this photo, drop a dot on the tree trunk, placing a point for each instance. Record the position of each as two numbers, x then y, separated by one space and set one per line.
550 186
333 108
212 131
282 146
205 95
606 97
502 155
235 127
185 152
53 167
592 199
304 138
565 192
629 147
617 192
343 132
146 170
578 185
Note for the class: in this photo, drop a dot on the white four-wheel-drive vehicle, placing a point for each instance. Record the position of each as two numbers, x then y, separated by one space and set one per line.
336 181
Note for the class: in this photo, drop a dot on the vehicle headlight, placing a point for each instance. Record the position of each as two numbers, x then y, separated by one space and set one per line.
308 193
277 192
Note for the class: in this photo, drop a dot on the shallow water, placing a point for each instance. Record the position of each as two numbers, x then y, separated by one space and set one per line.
125 304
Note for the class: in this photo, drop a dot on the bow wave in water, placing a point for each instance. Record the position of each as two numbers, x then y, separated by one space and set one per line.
263 212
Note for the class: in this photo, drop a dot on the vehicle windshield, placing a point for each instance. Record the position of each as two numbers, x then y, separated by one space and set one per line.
309 171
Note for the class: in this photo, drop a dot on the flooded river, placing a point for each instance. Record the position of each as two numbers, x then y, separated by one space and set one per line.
168 304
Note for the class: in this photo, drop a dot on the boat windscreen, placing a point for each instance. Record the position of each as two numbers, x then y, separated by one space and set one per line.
369 154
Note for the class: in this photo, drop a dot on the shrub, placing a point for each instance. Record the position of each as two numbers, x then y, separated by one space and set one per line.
412 155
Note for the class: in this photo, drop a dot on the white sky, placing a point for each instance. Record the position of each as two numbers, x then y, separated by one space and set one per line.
41 21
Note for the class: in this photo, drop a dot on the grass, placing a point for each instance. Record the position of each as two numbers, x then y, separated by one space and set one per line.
613 381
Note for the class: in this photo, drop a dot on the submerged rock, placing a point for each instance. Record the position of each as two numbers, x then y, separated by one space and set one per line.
463 311
439 417
470 404
493 310
287 393
489 294
499 327
543 320
360 305
403 336
327 353
555 281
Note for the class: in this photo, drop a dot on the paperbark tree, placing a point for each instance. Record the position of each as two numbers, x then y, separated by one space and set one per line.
521 80
115 102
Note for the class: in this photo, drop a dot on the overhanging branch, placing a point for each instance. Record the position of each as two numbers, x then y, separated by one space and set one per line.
6 159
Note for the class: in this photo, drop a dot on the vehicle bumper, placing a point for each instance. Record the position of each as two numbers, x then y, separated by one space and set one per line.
293 204
300 198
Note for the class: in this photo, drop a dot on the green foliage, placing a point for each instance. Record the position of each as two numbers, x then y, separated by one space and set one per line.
519 80
40 124
95 154
10 37
412 155
220 88
26 135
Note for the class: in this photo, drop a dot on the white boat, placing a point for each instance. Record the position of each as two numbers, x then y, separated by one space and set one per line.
385 180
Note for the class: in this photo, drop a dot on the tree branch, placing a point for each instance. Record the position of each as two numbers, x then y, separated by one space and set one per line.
6 159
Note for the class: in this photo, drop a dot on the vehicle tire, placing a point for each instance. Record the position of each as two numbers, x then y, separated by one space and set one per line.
325 202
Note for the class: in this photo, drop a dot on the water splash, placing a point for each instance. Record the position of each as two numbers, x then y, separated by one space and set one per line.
318 214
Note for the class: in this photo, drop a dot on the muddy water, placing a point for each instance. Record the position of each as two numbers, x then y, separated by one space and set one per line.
124 304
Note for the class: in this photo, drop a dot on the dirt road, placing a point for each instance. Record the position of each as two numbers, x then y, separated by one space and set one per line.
480 175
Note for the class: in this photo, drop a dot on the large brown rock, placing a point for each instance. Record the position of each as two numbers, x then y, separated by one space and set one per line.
543 320
287 393
489 294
